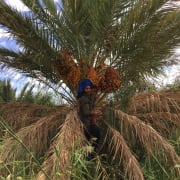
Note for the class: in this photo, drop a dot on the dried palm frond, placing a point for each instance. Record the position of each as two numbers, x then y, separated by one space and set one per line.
162 121
58 156
130 164
160 109
18 115
35 137
149 137
154 102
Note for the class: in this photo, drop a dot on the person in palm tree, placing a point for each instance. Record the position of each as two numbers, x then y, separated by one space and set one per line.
87 113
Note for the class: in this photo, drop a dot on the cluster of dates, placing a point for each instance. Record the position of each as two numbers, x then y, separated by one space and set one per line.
106 79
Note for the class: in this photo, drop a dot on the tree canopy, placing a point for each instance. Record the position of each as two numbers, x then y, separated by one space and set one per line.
135 37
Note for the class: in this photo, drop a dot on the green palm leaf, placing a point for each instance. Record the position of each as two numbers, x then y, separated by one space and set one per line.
126 33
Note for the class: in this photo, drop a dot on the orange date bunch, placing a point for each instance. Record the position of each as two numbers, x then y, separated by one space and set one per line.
68 69
110 81
106 82
106 79
93 76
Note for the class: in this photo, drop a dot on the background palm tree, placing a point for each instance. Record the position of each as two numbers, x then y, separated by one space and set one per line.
9 94
60 45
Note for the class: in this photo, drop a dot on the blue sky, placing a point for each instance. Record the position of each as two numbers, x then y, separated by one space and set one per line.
19 81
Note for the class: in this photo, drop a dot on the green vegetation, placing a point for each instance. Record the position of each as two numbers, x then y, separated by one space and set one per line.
8 94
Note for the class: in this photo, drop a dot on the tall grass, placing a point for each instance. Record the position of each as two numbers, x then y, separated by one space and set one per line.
100 167
81 166
20 168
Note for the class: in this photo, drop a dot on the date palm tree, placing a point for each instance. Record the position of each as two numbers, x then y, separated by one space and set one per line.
60 42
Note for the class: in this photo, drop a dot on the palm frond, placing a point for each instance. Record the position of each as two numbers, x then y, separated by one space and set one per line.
151 49
122 151
154 102
165 122
34 136
18 115
27 34
160 109
34 39
149 137
6 52
58 156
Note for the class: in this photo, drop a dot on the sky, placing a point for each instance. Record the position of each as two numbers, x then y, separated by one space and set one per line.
6 41
17 4
17 80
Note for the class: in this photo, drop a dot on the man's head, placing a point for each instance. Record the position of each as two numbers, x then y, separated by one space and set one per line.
85 86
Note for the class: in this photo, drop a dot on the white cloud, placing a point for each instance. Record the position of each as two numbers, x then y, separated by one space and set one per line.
3 33
171 73
177 51
17 4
